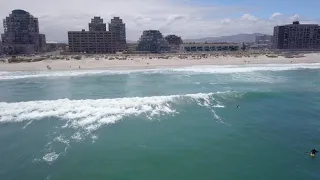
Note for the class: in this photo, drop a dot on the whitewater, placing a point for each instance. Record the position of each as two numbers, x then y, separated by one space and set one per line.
209 69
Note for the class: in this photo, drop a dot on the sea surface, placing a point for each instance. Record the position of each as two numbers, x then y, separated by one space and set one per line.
203 122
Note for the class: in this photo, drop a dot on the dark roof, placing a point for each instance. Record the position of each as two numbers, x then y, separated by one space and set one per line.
19 11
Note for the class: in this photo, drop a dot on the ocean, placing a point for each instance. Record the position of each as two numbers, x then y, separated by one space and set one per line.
204 122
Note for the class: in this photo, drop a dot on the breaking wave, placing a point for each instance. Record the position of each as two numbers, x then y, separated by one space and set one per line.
91 114
221 69
87 116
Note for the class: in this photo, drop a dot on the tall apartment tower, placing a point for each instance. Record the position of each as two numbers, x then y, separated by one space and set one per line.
98 39
97 24
297 36
118 29
21 34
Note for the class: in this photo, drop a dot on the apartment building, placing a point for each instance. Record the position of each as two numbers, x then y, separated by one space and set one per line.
297 36
21 34
152 41
97 39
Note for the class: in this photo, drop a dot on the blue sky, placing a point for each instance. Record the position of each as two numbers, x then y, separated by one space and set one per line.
263 8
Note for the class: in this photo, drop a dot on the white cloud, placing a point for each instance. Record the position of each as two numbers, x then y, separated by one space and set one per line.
181 17
249 17
226 21
295 17
275 15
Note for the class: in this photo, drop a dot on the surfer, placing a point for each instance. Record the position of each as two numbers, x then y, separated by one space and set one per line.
313 152
238 106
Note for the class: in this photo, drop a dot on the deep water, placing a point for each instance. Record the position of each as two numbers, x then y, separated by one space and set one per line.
161 124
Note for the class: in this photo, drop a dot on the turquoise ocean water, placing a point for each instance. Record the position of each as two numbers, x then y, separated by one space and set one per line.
161 124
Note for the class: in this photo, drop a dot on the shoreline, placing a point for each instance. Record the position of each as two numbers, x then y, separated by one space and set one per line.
145 63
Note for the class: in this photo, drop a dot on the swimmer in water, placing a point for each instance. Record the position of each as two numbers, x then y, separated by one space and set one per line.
314 152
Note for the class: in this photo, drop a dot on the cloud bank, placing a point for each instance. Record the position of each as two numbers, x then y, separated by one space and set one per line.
181 17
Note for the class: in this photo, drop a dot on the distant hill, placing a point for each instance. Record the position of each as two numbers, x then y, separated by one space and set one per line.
238 38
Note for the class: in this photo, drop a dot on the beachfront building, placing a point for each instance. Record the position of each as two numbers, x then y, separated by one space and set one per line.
21 34
174 42
1 48
98 39
152 41
297 36
97 24
209 47
118 29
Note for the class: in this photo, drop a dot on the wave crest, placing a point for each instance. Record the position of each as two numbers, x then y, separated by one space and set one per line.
91 114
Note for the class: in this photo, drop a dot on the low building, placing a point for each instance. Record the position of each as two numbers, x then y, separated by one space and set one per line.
131 47
209 47
91 42
54 46
263 40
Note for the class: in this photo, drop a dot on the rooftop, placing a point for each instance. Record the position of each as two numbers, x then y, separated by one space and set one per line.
297 23
19 11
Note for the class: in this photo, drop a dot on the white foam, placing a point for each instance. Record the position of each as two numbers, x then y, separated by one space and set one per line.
221 69
74 73
62 140
91 114
77 136
44 74
86 116
219 106
4 72
227 69
50 157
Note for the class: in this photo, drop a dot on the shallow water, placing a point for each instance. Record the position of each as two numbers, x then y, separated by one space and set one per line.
161 124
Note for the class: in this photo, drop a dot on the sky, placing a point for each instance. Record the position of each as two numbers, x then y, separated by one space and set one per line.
186 18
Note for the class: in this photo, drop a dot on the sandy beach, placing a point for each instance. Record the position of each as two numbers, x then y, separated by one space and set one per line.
143 62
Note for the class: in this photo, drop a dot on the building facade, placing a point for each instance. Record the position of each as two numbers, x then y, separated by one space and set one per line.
297 36
97 24
97 39
1 48
152 41
174 42
118 29
21 34
209 47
